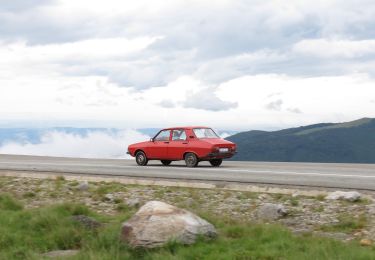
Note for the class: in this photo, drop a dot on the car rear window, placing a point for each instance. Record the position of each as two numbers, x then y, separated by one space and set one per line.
205 133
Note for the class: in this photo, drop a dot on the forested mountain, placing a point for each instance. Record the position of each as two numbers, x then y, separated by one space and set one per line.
351 142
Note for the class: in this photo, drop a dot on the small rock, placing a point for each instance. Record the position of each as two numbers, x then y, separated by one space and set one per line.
157 222
269 211
83 186
344 195
365 242
133 203
61 253
87 222
189 202
109 197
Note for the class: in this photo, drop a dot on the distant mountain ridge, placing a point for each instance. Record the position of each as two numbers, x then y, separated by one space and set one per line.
349 142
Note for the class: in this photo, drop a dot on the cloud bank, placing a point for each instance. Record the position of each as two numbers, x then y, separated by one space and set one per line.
95 144
156 63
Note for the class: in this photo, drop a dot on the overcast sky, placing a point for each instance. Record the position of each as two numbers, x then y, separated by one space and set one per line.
227 64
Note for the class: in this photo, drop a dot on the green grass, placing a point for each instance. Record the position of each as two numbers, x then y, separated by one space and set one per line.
29 194
294 201
321 197
8 203
27 233
346 224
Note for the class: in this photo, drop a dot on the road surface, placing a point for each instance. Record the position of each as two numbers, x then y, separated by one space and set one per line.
350 176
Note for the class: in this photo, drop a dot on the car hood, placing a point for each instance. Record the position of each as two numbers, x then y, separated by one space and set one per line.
140 143
216 141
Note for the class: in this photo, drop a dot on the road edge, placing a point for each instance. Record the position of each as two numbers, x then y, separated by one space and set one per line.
168 183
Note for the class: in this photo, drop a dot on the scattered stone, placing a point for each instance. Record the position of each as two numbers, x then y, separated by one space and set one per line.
310 213
133 203
344 195
366 242
83 186
61 253
109 197
87 222
157 222
269 211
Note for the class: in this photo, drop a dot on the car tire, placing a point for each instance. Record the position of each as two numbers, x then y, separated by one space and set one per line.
191 160
216 162
141 158
166 162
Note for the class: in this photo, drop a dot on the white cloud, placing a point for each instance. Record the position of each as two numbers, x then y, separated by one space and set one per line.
330 48
96 144
142 45
87 50
93 100
166 103
207 99
275 105
128 63
294 110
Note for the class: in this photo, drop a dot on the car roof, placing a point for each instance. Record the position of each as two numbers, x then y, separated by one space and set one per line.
185 127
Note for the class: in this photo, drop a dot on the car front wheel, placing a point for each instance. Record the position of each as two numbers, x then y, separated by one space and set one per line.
191 160
141 158
166 162
216 162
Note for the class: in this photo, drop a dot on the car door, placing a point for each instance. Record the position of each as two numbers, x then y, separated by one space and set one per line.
158 148
178 144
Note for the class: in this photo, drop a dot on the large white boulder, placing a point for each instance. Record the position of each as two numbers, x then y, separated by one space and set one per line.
344 195
157 222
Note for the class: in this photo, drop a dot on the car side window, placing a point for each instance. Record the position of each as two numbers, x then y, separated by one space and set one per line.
163 136
178 135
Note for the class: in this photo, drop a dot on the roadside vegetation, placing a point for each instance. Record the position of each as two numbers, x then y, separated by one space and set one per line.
28 233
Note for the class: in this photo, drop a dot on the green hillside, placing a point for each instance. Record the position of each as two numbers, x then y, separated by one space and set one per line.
350 142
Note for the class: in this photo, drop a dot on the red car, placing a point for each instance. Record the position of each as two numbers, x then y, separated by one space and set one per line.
192 144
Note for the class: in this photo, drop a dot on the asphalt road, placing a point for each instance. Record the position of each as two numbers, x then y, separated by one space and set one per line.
351 176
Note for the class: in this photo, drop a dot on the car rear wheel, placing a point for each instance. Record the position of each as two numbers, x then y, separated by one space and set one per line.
191 160
166 162
216 162
141 158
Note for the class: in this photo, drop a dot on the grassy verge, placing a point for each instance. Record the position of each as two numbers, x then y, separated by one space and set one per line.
346 224
27 233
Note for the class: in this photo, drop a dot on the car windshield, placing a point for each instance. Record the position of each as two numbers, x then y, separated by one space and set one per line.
205 133
163 135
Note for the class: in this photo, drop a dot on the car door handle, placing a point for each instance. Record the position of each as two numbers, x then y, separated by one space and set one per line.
166 142
184 143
